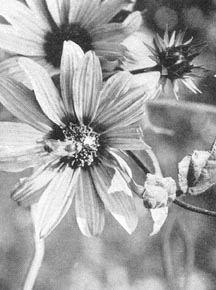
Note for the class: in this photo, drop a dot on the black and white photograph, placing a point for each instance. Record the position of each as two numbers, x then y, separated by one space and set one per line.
107 144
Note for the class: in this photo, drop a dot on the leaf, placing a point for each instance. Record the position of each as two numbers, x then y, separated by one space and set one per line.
159 216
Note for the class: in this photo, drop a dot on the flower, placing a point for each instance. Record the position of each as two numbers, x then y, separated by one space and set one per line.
173 58
197 172
158 194
135 59
72 140
39 29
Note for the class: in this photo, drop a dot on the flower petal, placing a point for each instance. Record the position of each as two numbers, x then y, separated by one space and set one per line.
106 11
18 159
110 50
10 67
71 57
118 31
18 135
91 6
40 10
21 102
23 20
83 11
86 86
125 170
28 190
159 216
138 52
125 110
89 208
129 138
115 86
119 203
46 93
55 201
191 85
54 8
18 44
109 66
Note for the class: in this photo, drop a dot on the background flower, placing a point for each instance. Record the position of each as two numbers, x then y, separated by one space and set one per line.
39 29
167 60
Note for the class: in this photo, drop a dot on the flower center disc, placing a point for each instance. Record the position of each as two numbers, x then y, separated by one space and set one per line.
176 61
54 40
80 145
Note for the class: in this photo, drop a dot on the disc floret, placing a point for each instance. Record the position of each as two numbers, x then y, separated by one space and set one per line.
82 144
79 146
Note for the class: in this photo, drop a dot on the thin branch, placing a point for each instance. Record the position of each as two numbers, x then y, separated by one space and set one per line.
178 192
36 263
138 162
194 208
146 69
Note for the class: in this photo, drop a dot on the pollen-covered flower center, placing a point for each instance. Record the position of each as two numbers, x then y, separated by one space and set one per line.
176 61
54 40
81 145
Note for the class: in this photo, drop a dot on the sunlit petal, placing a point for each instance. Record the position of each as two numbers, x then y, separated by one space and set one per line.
89 208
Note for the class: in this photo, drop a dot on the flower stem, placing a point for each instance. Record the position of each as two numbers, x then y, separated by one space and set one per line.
167 257
194 208
36 263
145 70
138 162
178 192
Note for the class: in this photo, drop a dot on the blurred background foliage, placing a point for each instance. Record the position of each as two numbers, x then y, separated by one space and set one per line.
183 255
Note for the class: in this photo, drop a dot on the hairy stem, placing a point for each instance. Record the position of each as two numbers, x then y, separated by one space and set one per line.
36 263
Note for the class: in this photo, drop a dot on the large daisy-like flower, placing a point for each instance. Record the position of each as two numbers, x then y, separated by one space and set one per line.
39 29
173 57
72 139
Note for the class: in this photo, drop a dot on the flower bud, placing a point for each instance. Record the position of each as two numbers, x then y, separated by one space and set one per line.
197 172
159 191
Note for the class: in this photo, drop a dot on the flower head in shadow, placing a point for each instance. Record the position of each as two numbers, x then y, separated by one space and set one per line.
38 30
72 139
174 58
170 62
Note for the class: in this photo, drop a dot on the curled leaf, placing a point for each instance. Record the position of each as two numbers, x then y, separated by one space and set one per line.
197 172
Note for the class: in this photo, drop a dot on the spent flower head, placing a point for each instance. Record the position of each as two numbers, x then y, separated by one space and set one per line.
38 30
72 139
159 193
